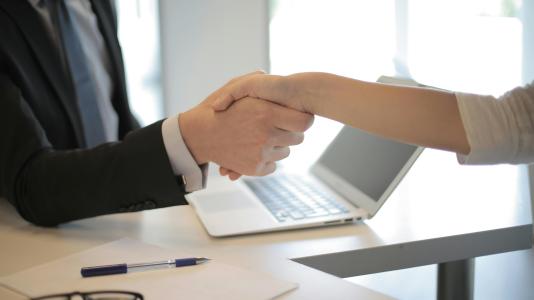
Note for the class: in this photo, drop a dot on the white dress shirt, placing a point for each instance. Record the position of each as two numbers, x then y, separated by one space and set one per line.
499 130
84 19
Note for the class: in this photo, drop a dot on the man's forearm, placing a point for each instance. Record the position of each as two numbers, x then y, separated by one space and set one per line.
59 186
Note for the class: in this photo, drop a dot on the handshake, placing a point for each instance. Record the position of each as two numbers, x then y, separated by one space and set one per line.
243 133
249 124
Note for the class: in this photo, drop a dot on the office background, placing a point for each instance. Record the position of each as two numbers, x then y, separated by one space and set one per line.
177 52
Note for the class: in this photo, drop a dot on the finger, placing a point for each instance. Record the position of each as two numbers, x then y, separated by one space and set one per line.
278 153
267 169
231 174
223 171
234 175
291 120
254 85
285 138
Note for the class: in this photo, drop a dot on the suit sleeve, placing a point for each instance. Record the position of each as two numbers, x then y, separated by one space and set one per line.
49 187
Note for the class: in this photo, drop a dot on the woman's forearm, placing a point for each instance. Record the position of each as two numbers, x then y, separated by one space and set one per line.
421 116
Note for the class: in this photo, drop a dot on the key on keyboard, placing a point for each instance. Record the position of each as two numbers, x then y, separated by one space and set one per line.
289 197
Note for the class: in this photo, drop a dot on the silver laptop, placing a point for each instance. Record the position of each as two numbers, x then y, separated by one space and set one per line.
350 181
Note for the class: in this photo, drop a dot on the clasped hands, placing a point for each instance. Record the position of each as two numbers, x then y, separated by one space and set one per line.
246 137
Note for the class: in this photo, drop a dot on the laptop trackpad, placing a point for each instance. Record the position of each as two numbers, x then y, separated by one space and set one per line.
231 211
224 201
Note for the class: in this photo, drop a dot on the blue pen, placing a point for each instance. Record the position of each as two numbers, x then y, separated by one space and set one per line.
125 268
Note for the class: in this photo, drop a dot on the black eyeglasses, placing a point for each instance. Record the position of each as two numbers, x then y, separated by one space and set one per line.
96 295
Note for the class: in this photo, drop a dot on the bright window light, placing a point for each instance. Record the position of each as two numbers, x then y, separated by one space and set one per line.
139 38
349 38
471 46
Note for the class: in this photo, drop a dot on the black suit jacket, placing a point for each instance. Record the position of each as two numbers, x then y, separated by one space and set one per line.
45 172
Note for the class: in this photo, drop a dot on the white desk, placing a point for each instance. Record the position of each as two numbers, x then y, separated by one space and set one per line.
440 213
23 245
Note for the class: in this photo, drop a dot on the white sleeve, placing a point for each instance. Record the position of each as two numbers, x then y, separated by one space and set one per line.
499 130
182 162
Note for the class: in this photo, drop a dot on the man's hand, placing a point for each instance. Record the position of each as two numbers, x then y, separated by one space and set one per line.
247 138
295 91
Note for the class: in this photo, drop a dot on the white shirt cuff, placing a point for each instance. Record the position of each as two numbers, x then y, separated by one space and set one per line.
182 162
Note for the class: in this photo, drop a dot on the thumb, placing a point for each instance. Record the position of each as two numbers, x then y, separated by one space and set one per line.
229 94
232 91
222 102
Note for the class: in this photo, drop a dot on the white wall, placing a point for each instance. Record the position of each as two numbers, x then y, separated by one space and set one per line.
528 40
528 66
207 42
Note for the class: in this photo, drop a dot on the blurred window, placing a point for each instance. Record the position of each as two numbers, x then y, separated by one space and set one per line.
139 38
469 45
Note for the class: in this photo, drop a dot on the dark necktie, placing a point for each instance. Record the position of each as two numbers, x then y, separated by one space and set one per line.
84 83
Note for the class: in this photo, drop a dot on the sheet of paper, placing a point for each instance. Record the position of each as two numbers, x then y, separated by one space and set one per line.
211 280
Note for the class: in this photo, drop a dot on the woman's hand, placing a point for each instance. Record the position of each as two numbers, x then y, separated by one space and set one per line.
289 91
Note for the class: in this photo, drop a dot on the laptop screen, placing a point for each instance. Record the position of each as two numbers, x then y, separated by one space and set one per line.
367 162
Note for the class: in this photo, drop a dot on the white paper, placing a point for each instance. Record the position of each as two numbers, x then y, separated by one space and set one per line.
211 280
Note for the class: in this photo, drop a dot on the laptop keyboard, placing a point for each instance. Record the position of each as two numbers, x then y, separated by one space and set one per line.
289 197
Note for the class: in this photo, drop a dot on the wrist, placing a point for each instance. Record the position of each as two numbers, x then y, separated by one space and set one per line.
305 89
193 136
